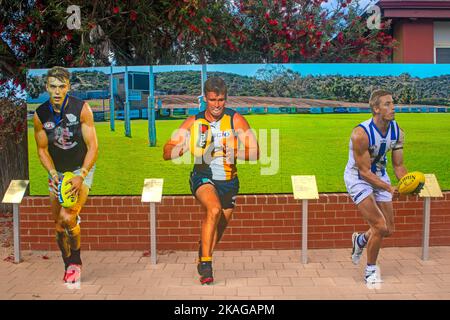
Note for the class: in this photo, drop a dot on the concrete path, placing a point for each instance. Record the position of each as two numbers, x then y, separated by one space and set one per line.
255 275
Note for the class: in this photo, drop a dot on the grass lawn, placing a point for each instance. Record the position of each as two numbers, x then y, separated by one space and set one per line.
308 145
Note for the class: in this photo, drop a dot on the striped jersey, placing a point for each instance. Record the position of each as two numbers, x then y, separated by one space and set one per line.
379 146
223 136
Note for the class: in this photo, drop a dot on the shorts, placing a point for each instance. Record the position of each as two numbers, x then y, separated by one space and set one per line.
359 189
87 181
226 189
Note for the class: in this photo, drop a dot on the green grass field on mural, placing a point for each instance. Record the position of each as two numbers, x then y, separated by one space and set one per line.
307 145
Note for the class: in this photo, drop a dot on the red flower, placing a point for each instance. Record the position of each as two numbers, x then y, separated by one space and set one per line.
55 34
68 58
18 128
340 38
267 15
301 33
91 50
273 22
194 28
230 45
23 48
69 37
387 51
116 10
133 15
207 20
33 38
16 82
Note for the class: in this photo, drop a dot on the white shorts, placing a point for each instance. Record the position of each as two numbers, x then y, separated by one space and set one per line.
359 189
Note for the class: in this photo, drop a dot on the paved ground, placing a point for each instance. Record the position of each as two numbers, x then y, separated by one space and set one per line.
266 274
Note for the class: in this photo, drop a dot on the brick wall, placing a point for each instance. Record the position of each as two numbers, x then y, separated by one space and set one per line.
260 222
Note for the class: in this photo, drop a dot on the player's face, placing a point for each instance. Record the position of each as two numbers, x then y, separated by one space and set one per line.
215 103
57 90
386 108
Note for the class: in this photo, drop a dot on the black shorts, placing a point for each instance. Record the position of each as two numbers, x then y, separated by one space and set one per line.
226 189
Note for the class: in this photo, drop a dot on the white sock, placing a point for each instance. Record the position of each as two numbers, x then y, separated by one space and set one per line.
371 268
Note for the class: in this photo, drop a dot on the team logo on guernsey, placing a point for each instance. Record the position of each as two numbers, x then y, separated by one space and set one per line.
203 132
71 117
49 125
223 134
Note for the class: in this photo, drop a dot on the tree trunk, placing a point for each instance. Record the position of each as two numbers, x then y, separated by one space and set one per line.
13 164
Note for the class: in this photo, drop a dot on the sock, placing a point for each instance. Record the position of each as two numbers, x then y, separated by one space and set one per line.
75 257
361 240
206 259
63 244
370 268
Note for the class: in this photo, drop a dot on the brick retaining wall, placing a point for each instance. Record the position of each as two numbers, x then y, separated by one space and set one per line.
259 222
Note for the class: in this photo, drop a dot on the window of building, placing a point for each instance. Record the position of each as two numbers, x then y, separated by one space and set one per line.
442 42
443 55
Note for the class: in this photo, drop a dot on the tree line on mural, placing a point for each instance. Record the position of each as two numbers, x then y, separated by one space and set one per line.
282 82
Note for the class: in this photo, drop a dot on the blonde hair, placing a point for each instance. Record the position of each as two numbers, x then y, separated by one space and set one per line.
60 73
375 97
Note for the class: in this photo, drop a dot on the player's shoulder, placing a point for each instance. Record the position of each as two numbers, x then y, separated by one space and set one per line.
359 135
42 106
188 122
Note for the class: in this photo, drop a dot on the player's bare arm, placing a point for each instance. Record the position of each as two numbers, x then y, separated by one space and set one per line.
42 150
250 152
90 139
178 143
397 157
360 143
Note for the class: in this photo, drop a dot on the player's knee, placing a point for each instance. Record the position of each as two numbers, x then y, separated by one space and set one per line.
68 221
380 229
59 226
390 231
214 212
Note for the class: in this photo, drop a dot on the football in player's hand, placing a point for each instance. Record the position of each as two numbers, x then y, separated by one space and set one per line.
411 182
64 199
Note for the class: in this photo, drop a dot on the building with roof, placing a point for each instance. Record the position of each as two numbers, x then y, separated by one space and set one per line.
422 28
